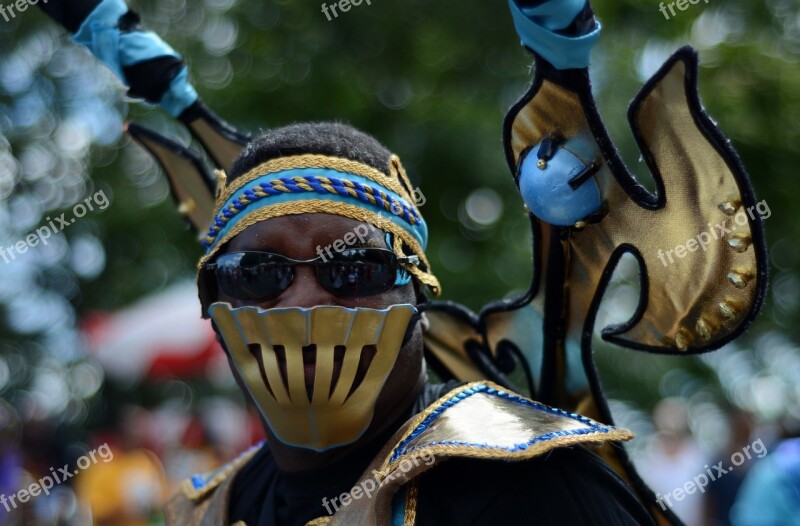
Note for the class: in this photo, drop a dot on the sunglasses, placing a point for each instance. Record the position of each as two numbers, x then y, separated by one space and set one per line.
351 273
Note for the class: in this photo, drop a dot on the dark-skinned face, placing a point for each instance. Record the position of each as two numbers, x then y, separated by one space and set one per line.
297 237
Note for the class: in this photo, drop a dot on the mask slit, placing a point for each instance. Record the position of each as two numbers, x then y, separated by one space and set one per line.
338 358
255 350
367 354
280 354
310 358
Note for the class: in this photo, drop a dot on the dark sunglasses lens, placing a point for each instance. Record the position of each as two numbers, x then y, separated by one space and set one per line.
252 275
353 273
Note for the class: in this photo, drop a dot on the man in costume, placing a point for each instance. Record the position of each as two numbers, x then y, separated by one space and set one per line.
332 353
330 346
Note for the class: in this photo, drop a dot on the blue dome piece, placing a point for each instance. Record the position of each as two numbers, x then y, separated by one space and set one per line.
557 186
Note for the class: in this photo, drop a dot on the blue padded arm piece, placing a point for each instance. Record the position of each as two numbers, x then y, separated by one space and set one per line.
538 26
117 49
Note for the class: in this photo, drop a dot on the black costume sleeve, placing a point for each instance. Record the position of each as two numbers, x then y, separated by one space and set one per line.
69 13
566 487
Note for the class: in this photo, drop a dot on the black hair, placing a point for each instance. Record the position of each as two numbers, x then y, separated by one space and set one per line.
324 138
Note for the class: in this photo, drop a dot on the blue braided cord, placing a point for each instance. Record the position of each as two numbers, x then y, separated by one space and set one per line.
117 49
481 388
536 25
234 211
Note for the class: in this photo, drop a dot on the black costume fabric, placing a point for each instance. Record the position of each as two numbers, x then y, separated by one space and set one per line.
568 486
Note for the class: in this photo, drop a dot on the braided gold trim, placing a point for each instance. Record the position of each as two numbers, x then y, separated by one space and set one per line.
321 161
410 515
222 185
595 437
189 491
313 206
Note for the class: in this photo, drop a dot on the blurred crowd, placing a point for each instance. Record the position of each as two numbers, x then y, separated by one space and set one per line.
754 479
154 451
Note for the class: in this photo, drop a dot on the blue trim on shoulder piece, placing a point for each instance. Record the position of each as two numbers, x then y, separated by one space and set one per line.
481 388
536 27
201 480
198 481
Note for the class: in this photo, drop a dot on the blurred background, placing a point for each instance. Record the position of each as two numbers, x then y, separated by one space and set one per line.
100 336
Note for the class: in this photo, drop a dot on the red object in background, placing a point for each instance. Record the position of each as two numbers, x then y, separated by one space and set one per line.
160 336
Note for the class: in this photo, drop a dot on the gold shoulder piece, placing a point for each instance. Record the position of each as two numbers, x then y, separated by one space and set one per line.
476 420
483 420
203 499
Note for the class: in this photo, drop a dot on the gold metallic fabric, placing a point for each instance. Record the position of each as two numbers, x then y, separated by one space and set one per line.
479 420
694 300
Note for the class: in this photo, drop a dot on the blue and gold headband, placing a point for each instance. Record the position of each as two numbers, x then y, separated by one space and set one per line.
310 183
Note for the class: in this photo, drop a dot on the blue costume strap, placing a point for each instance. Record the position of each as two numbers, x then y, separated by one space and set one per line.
100 33
537 27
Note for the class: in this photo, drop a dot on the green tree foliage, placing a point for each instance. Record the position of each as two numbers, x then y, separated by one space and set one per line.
432 80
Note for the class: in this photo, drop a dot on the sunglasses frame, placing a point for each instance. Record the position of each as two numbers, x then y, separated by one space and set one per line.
291 262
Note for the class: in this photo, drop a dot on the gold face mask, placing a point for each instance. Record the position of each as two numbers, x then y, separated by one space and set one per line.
314 373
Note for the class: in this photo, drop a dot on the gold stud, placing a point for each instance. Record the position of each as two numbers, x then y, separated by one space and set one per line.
682 340
187 207
541 164
704 329
740 277
730 205
729 308
740 242
580 225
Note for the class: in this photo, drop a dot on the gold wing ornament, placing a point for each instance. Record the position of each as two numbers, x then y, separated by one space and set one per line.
191 183
692 299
